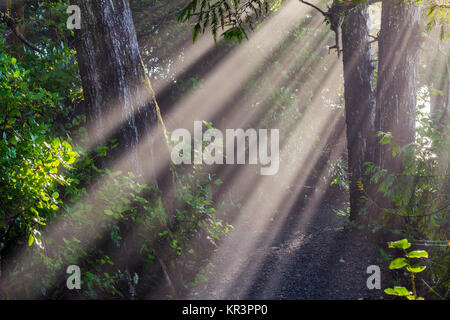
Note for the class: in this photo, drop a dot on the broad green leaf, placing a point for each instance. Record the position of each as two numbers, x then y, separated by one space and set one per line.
108 212
386 138
398 263
398 291
401 244
30 240
418 254
416 269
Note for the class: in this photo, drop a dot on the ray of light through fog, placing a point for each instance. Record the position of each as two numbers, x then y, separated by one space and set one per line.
228 77
227 70
222 84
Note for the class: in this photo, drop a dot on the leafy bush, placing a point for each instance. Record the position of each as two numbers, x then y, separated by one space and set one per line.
32 159
405 261
117 229
421 193
54 211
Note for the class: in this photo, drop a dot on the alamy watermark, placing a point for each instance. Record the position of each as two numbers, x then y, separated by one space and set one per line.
74 279
74 20
210 147
374 280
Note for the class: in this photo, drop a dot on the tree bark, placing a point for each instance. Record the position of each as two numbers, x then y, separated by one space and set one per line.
116 88
396 83
121 103
359 100
397 77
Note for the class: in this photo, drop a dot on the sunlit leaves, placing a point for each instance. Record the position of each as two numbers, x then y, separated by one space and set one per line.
398 263
30 240
438 15
231 17
402 262
398 291
31 160
417 254
416 269
386 137
401 244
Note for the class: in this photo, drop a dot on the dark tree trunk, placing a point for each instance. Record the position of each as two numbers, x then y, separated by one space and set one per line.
119 97
359 100
397 78
120 100
117 90
396 83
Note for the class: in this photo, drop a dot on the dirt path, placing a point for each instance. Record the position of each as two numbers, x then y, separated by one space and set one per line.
314 260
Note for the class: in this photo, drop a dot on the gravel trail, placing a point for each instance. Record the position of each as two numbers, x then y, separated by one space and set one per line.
314 260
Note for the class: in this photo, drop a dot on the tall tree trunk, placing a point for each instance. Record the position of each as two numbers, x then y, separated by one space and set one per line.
116 88
359 100
119 96
396 82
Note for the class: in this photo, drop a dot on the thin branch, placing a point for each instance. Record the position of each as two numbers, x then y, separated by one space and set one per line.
166 275
313 6
10 22
432 289
25 41
375 38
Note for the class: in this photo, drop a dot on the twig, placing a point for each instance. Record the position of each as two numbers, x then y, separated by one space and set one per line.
12 25
25 41
432 289
166 275
315 7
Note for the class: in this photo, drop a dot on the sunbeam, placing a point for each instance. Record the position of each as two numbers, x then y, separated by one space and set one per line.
231 219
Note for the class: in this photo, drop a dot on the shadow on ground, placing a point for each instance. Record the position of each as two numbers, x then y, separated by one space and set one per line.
318 259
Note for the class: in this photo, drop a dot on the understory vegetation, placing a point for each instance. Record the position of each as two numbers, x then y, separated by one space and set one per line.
50 180
60 206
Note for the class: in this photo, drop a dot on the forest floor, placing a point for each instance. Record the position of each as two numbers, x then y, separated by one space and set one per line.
319 260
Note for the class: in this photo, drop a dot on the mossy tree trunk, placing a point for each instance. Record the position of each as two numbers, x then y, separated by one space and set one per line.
119 99
359 100
396 85
116 88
